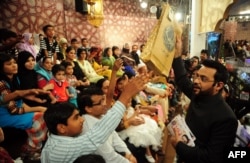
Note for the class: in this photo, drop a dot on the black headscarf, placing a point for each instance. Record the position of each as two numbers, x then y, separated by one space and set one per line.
28 78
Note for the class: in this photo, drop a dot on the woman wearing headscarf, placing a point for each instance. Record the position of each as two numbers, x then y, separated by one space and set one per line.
27 75
28 44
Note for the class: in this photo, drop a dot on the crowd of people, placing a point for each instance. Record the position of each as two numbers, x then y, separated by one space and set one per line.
95 85
92 103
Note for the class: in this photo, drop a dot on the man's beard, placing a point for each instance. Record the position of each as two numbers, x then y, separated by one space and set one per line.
201 92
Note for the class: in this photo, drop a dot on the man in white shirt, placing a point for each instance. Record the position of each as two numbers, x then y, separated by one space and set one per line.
93 112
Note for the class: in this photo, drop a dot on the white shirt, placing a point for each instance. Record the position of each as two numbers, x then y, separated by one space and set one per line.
109 148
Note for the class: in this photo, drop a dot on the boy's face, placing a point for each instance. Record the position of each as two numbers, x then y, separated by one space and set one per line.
60 75
85 43
75 44
75 124
50 32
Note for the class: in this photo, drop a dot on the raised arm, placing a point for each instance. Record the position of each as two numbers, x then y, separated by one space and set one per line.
181 79
117 65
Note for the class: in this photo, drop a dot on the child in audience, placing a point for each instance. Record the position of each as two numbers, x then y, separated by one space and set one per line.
73 82
48 45
144 135
65 144
60 93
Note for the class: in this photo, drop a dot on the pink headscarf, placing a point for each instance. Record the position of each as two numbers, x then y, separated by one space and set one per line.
26 46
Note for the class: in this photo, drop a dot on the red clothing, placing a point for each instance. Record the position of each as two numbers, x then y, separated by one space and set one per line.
59 90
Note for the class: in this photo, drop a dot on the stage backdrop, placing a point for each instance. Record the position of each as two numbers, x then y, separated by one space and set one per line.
124 21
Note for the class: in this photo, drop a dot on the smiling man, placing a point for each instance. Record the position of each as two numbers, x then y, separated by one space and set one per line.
209 117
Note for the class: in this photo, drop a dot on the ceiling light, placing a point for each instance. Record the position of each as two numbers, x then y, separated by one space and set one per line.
245 12
144 4
178 16
153 9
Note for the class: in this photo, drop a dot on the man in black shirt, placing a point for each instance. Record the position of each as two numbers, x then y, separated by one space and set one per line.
209 117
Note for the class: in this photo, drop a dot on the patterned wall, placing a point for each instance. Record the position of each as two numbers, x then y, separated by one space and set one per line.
230 30
243 31
124 21
237 30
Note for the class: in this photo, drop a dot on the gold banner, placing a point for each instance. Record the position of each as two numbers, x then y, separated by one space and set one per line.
159 50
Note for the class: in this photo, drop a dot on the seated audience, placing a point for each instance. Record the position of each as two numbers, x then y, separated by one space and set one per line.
65 144
28 44
43 69
28 76
86 67
48 45
15 113
95 60
70 57
60 92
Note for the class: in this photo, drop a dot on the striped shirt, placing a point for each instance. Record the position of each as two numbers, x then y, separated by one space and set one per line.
51 49
63 149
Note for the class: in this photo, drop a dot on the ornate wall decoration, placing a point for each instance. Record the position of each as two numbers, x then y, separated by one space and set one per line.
124 21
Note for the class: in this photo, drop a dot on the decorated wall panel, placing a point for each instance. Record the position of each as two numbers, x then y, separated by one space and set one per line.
124 21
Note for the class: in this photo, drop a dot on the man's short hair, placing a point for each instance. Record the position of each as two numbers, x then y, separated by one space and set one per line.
73 40
6 34
45 28
205 51
56 68
58 114
90 158
83 39
84 99
221 74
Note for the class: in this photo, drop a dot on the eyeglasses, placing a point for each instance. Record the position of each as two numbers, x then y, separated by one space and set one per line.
201 78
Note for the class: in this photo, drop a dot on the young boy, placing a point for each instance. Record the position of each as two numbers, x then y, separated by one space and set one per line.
65 144
60 92
49 46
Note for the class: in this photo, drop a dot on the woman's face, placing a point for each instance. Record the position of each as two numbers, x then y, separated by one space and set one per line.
64 46
47 64
93 54
71 55
117 52
30 63
31 40
109 52
10 67
120 85
83 55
